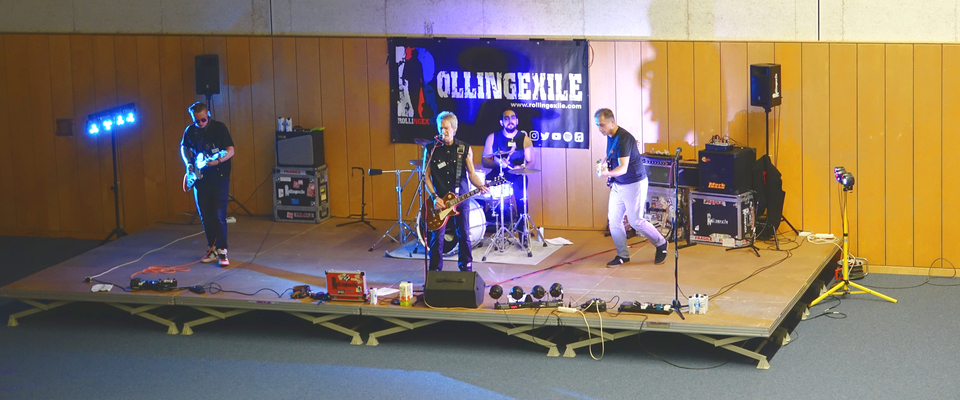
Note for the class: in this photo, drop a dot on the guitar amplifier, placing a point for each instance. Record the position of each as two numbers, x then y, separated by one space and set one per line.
347 285
659 171
719 219
727 172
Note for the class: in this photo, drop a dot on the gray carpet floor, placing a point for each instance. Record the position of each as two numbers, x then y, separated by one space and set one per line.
869 349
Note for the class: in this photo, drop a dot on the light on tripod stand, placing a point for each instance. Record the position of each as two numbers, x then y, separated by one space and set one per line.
94 128
106 119
556 290
845 178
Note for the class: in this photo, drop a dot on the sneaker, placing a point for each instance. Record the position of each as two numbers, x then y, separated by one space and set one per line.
617 261
222 253
210 257
661 254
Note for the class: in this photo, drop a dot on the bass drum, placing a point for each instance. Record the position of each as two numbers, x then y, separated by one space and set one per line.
478 225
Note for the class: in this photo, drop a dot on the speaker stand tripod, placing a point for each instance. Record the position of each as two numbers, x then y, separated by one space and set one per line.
776 239
363 202
118 230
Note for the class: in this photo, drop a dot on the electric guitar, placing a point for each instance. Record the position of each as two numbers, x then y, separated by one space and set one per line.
437 219
193 170
600 164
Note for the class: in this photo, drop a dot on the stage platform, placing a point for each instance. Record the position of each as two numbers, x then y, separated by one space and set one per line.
278 256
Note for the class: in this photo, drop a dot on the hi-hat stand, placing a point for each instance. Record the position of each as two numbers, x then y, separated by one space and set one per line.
504 236
403 229
363 202
524 220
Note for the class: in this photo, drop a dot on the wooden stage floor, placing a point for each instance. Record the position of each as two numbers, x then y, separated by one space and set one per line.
278 256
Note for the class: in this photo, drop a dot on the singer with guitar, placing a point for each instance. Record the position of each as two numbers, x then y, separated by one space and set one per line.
206 149
448 165
627 179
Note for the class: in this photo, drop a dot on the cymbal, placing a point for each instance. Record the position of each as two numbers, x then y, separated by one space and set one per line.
422 141
499 153
523 171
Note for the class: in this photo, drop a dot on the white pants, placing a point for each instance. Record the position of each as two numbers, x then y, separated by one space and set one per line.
628 200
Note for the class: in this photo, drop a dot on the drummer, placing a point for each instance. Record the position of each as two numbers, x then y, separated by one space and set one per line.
509 149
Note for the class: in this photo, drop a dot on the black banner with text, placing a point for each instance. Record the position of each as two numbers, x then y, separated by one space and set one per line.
544 82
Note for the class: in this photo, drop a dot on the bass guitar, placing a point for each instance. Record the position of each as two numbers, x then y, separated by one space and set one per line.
437 219
193 170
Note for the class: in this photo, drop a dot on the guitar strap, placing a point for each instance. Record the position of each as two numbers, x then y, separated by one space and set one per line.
461 153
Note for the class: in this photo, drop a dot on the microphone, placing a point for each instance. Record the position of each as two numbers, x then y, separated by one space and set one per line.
678 153
373 172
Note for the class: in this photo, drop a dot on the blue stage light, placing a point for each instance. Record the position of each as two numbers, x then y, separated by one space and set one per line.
130 117
107 124
119 120
94 129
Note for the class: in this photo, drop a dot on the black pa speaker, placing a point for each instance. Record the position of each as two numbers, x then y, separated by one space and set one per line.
453 289
765 85
208 74
728 172
300 149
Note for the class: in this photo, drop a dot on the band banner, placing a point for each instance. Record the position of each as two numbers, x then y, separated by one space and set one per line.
544 82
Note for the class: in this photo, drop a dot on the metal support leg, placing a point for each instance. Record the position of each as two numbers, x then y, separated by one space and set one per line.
728 343
214 316
401 326
597 337
37 307
518 331
324 321
142 312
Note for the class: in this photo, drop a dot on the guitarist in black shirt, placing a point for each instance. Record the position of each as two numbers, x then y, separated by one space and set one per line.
206 149
450 166
627 179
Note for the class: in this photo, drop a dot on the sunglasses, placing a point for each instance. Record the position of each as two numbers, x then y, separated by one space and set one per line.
201 120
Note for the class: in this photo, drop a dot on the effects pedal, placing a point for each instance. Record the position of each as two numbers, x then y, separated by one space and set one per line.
159 285
646 308
594 305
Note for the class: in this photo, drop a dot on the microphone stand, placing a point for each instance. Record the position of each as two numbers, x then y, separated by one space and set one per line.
426 199
676 248
363 201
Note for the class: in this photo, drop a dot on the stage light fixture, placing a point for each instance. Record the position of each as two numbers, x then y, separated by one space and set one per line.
847 181
106 119
516 293
538 292
556 290
496 291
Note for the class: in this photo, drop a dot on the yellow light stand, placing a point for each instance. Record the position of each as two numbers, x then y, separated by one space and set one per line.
845 284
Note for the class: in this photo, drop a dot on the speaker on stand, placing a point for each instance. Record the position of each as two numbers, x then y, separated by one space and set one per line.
207 69
765 92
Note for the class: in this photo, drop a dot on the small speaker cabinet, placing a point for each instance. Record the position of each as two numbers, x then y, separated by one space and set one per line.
765 85
300 149
208 74
725 220
300 194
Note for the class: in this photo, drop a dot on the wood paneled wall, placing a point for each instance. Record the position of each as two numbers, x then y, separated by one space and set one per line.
876 109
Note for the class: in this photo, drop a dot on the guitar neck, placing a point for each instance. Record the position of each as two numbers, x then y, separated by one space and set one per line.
460 198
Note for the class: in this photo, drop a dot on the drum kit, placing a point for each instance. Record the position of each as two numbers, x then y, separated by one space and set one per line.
507 232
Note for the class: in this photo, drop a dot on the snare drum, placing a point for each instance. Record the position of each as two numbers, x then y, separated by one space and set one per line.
478 225
504 191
